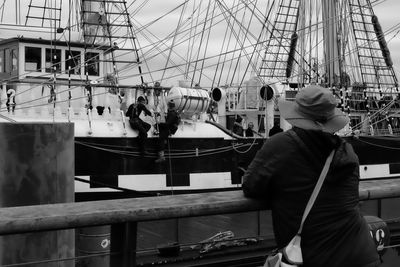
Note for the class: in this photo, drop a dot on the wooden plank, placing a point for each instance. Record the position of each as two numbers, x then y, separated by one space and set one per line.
81 214
71 215
382 188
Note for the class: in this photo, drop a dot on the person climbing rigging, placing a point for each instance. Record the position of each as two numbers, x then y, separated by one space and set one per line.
136 123
167 128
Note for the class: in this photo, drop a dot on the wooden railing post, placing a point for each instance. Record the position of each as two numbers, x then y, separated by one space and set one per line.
123 244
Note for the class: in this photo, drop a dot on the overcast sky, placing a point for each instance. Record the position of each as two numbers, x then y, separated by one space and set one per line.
386 10
388 13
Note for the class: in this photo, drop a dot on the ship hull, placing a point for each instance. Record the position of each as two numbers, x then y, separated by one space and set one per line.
113 167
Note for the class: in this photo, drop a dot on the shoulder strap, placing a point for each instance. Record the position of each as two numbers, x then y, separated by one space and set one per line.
316 189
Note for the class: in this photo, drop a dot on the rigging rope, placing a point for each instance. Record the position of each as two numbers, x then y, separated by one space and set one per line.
176 155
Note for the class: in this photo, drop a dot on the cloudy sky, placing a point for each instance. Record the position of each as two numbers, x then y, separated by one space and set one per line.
386 10
388 13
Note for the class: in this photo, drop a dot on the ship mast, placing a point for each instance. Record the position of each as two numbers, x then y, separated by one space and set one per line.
108 23
334 43
331 41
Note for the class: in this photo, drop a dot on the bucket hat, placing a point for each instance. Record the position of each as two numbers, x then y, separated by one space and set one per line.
314 108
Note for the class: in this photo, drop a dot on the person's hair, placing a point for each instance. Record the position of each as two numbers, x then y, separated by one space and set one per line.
171 104
140 99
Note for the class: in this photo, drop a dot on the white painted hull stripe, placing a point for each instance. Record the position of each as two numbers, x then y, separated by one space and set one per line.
158 182
203 181
377 171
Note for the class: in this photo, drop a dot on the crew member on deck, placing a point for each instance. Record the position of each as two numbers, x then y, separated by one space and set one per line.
249 131
137 123
167 128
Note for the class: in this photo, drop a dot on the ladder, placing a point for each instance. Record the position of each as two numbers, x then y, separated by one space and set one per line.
107 24
46 12
376 67
279 52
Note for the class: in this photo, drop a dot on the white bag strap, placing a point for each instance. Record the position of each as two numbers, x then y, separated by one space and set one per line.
316 189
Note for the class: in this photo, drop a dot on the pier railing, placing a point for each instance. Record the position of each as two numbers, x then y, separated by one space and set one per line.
124 214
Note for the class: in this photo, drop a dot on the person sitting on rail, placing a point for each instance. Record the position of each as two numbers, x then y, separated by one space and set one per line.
167 128
134 111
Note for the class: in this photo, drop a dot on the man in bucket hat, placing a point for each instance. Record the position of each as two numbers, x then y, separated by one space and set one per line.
285 171
314 109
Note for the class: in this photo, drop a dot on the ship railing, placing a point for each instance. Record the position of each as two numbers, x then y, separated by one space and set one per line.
124 214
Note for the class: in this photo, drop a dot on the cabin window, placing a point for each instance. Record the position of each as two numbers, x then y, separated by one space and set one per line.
1 60
92 64
355 122
7 65
14 59
33 58
73 62
53 60
230 121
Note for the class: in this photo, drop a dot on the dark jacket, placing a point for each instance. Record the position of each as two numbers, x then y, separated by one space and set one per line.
249 132
170 126
134 111
172 120
284 173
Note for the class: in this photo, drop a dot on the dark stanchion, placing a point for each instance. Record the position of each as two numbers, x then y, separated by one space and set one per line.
123 243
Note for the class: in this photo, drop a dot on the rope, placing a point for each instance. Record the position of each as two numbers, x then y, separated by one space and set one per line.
176 155
170 167
7 118
376 145
247 150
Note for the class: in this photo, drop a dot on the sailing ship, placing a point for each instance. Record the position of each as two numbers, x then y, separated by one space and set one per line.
224 65
87 67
